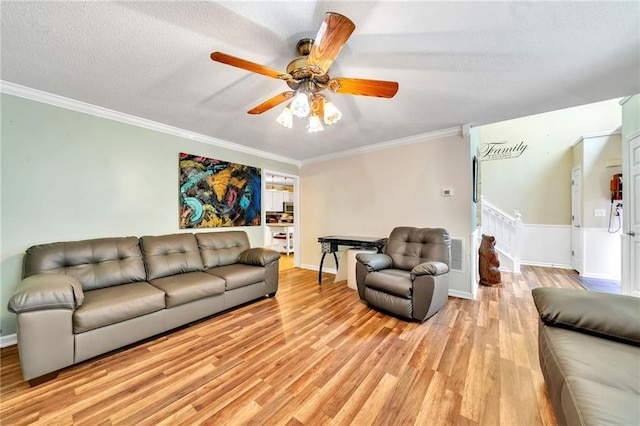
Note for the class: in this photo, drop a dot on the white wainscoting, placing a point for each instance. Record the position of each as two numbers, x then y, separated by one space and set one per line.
602 254
550 245
546 245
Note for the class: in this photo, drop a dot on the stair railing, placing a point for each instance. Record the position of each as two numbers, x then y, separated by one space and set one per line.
506 229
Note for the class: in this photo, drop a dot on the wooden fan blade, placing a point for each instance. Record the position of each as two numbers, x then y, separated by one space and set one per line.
332 35
358 86
249 66
275 101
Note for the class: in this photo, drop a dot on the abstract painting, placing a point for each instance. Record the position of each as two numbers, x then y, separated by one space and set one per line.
216 193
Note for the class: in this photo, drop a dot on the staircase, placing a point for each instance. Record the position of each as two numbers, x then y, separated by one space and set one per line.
507 230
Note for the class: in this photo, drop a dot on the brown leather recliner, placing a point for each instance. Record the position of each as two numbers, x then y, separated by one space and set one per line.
411 278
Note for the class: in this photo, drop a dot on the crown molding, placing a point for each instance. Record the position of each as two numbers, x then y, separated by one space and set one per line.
438 134
622 101
83 107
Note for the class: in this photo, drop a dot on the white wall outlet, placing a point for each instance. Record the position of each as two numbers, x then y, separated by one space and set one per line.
447 192
600 212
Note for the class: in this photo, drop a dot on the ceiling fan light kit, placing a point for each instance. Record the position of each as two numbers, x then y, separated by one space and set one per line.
307 76
286 118
314 124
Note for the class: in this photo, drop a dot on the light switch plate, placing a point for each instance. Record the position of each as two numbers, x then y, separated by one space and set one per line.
600 212
447 192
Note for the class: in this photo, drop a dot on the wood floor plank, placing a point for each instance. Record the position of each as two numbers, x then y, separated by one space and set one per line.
312 355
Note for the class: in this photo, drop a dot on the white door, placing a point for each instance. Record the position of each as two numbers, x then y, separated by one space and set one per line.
576 219
631 239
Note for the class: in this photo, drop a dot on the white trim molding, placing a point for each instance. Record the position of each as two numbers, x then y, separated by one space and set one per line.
74 105
8 340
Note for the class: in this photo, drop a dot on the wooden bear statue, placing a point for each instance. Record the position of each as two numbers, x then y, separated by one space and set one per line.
489 263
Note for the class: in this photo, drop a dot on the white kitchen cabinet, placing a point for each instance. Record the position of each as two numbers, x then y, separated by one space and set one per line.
274 200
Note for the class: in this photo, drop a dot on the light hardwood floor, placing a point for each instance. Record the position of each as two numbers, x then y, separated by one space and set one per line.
313 355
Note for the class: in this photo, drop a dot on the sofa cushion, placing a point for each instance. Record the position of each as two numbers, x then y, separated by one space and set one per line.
187 287
110 305
610 316
579 366
167 255
392 281
221 248
239 275
96 263
599 404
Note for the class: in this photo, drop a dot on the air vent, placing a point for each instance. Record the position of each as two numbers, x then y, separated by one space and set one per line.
456 254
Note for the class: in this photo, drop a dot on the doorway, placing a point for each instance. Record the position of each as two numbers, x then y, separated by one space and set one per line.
631 238
576 220
281 214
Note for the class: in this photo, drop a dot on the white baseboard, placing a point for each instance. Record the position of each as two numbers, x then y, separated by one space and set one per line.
547 265
317 268
8 340
601 276
461 294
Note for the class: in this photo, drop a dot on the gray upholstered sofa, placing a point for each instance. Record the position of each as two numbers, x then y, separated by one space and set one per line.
81 299
411 278
589 347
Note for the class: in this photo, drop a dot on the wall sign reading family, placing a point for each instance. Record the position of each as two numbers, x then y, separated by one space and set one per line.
501 150
217 193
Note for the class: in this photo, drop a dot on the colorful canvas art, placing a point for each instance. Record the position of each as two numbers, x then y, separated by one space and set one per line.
215 193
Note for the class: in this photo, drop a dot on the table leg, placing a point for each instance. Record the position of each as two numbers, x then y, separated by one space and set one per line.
320 271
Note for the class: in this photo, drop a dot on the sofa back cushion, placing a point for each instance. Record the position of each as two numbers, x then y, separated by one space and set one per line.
222 248
172 254
97 263
409 246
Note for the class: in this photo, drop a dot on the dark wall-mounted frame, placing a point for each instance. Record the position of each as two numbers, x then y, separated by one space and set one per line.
474 174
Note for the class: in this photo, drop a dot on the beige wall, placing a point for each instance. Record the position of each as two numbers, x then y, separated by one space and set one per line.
538 183
371 193
70 176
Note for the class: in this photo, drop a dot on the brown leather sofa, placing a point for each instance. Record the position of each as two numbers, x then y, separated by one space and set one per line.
411 278
81 299
589 349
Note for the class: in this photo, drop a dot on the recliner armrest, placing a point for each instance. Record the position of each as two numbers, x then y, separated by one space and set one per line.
375 262
429 268
46 291
258 256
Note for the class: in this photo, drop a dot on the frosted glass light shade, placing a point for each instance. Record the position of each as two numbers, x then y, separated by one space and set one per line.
314 124
300 105
331 113
286 118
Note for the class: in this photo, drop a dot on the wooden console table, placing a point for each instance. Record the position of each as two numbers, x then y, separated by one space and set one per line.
330 245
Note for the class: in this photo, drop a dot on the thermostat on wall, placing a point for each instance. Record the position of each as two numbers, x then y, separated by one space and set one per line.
447 192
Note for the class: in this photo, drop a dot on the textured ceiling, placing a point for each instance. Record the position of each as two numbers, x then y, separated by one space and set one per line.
456 62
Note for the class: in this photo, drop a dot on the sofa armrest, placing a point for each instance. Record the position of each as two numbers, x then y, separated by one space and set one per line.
429 268
609 316
258 256
46 291
375 261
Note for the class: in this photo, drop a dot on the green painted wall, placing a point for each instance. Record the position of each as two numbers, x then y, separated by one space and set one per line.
67 176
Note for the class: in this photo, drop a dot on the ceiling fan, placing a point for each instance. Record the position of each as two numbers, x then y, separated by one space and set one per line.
307 76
